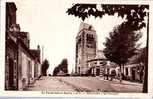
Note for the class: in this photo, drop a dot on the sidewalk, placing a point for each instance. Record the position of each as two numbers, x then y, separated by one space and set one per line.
49 84
123 81
124 86
130 83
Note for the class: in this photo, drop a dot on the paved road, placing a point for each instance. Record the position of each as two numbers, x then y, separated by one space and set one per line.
83 84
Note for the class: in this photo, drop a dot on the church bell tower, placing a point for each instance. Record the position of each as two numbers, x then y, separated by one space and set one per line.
86 46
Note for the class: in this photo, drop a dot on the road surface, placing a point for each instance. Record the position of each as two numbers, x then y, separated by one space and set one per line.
83 84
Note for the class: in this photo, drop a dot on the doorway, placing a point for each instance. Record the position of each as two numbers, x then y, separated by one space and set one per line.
97 71
133 74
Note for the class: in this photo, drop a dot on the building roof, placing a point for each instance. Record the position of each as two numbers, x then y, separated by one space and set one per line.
36 53
98 59
23 36
85 26
100 55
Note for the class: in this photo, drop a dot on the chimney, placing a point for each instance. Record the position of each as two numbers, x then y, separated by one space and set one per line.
10 14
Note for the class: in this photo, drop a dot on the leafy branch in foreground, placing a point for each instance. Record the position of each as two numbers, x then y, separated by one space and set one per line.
134 14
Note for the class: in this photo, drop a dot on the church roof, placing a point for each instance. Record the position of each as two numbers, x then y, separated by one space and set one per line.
100 55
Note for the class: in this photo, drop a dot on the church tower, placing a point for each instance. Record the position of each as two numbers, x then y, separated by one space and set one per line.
86 46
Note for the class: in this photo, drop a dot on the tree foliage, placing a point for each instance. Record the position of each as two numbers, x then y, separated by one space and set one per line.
56 71
134 14
141 57
121 44
63 66
44 67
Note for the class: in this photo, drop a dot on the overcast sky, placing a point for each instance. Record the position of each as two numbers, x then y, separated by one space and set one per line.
50 26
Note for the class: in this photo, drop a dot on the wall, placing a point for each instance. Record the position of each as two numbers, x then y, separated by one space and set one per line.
11 58
32 70
25 68
23 63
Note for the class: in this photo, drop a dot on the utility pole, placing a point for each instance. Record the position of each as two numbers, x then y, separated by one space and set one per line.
145 82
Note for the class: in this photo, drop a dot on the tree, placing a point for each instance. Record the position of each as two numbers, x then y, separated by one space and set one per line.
44 67
63 66
133 13
56 71
121 45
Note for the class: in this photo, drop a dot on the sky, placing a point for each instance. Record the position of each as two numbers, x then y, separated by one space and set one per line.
50 27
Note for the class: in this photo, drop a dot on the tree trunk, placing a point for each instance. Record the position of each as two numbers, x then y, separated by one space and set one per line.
123 71
120 74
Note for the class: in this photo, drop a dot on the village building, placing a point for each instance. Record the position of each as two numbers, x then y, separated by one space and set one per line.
37 65
22 65
98 64
134 69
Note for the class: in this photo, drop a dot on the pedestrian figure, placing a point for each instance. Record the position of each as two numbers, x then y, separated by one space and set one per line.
113 74
39 77
106 76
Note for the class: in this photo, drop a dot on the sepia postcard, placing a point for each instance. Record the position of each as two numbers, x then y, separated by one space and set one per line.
61 48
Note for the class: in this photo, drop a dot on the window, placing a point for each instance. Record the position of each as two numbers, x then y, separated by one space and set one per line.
79 70
90 37
101 63
79 41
